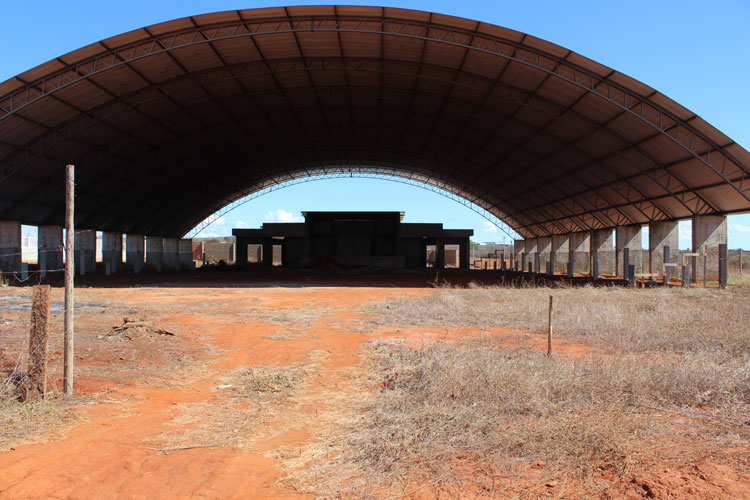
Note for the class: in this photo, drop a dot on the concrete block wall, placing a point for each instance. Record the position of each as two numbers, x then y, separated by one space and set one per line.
185 248
134 252
529 254
602 241
171 253
112 251
579 250
543 253
560 246
84 250
154 251
629 237
50 247
10 247
709 231
661 234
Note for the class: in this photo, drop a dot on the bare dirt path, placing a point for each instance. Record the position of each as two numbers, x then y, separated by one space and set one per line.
116 453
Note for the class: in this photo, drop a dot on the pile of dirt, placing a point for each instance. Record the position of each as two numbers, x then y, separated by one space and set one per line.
135 329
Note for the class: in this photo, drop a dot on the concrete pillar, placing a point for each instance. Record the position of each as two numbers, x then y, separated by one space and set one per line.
628 237
601 242
185 247
154 251
84 245
579 248
112 251
171 253
50 248
559 255
660 235
268 252
10 247
463 254
529 254
519 247
440 254
709 231
134 252
543 253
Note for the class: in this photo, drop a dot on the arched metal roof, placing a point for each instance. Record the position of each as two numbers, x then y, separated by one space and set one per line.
169 123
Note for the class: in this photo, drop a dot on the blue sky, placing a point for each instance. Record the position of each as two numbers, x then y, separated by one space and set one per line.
693 51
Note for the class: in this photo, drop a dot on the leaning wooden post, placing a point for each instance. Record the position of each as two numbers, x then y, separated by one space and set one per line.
549 328
37 384
69 273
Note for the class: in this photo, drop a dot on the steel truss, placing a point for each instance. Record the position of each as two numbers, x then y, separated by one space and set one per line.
402 179
580 209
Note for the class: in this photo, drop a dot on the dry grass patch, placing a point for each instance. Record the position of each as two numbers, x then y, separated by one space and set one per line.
244 403
615 320
446 406
39 421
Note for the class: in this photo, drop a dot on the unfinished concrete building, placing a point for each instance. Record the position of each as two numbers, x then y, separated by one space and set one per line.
170 123
377 239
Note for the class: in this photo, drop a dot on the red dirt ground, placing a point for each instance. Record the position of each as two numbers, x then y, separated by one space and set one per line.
113 451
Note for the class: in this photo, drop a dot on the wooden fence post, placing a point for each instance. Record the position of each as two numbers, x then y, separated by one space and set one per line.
549 328
38 339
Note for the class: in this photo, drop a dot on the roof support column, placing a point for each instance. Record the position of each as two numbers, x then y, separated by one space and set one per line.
186 253
85 251
518 251
630 238
709 231
602 258
463 253
171 253
559 255
543 251
154 251
440 253
663 242
10 247
112 252
50 249
530 255
134 252
579 248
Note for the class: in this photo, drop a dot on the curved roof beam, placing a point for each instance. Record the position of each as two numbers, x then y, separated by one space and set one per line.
621 165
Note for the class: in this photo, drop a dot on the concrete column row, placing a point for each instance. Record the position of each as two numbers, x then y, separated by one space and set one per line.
166 253
593 252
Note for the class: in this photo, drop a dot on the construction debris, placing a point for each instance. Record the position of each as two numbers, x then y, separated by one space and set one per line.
132 329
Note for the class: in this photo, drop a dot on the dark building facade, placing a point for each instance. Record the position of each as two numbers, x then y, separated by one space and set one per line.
354 238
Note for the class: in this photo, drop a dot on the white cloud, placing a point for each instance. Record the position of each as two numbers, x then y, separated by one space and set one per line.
220 221
739 228
281 215
488 227
241 224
